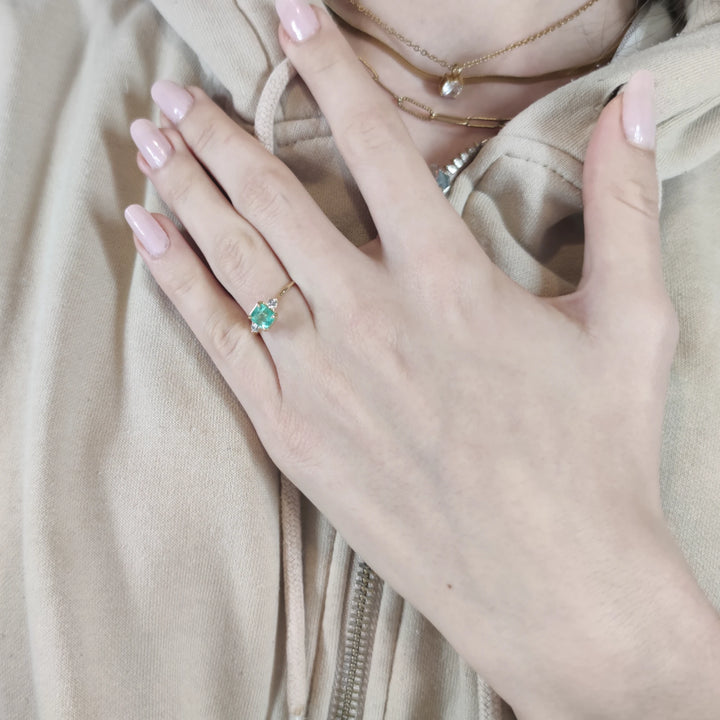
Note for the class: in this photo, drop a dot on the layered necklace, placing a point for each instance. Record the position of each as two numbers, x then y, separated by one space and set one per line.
451 83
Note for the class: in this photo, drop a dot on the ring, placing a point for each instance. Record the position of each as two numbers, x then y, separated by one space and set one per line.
264 314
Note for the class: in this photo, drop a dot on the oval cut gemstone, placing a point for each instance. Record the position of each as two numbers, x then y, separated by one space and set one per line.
262 317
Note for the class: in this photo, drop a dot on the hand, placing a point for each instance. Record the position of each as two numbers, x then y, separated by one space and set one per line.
493 455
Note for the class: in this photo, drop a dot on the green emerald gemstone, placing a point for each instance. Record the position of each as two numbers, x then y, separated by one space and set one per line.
262 317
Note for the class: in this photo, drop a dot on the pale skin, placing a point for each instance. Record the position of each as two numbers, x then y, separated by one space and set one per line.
505 452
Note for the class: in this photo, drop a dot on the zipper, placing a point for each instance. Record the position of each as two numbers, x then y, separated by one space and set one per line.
351 676
446 176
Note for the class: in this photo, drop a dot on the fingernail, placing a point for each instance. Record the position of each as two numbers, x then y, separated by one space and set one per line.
153 145
297 18
148 230
638 110
172 99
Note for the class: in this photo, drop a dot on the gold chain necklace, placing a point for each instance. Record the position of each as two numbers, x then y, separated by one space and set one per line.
425 112
560 74
452 82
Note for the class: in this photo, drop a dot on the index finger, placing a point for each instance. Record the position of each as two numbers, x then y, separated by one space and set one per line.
390 172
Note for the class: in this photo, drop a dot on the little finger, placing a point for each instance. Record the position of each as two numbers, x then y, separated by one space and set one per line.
212 315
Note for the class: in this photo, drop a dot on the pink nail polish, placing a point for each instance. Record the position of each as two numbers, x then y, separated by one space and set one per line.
638 110
148 230
173 100
153 145
297 18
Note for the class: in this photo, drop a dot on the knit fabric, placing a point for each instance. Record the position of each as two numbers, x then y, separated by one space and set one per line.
140 547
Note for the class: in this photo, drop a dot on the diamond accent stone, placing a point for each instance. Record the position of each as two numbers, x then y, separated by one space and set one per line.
272 304
262 316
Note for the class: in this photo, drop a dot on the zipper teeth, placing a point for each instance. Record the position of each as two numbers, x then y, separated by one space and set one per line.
349 692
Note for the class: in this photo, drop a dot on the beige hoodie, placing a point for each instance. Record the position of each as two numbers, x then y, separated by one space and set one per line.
141 571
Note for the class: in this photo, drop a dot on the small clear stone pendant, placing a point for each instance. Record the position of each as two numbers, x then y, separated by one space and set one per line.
452 83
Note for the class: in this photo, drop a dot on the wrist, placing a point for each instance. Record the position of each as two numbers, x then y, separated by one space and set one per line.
660 660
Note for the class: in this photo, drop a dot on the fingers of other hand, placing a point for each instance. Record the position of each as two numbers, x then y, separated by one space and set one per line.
368 130
623 261
260 187
221 326
237 254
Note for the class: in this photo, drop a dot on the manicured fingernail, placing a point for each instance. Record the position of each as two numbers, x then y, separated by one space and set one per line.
638 110
153 145
173 100
297 18
147 229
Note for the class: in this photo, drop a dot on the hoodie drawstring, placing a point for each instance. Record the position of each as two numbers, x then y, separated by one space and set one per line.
294 599
269 100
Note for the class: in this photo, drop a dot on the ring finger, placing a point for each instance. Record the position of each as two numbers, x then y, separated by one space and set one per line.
237 254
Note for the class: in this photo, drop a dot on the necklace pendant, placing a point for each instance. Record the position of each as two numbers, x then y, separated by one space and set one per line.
452 84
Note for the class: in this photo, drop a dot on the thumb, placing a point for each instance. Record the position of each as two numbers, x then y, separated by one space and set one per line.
622 259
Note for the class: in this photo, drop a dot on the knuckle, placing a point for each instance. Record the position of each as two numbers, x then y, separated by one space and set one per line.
370 131
234 255
205 137
208 130
180 285
638 196
262 195
323 59
211 132
233 144
178 192
228 339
